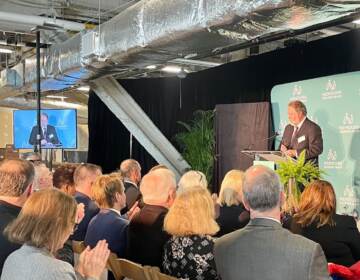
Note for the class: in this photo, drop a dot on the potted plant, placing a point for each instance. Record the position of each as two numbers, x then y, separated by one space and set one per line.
197 142
294 173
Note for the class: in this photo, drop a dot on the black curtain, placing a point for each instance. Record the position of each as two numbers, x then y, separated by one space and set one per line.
168 100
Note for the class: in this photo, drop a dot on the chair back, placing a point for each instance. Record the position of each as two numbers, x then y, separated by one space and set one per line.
154 273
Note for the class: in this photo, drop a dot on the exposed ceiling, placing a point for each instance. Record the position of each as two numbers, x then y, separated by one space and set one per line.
262 27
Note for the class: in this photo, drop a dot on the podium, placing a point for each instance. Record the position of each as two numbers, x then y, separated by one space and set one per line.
267 158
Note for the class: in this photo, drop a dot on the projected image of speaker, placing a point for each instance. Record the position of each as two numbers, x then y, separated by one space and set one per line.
58 129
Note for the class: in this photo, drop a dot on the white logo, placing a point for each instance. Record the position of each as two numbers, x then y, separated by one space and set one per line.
331 155
348 118
330 91
331 85
297 90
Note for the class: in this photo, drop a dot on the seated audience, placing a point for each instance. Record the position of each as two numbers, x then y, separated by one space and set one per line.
191 221
158 166
130 169
45 222
264 249
108 192
146 237
84 177
190 179
232 213
63 178
43 177
316 219
16 179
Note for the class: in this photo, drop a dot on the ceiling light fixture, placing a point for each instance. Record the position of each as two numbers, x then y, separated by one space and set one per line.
3 50
151 67
172 69
57 96
83 88
357 21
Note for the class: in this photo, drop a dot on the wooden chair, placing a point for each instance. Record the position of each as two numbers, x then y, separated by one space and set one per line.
124 268
154 273
78 246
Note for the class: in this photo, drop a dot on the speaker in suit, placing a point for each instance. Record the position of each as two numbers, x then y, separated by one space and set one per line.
48 133
302 134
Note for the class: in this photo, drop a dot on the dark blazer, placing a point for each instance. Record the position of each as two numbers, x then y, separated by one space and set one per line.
8 213
232 218
51 135
308 138
341 243
265 250
91 209
146 237
110 226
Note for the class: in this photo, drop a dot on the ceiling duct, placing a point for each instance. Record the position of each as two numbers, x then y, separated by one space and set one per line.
157 31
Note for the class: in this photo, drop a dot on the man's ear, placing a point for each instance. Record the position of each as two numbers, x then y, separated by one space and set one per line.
246 204
29 190
282 198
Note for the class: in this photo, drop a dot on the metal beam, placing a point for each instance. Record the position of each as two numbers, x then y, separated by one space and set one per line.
124 107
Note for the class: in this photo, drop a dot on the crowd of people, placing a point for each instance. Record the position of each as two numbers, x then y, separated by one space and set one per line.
179 227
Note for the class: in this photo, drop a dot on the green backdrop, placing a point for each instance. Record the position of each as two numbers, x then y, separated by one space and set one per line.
333 102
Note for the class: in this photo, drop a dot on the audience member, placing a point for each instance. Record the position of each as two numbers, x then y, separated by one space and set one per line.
232 213
108 192
43 225
131 171
191 179
43 177
158 166
146 237
16 179
84 177
188 254
264 249
63 178
316 219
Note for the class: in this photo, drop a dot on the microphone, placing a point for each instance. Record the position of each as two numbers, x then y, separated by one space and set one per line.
276 133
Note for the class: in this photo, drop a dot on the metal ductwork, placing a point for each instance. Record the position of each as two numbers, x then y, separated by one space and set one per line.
157 31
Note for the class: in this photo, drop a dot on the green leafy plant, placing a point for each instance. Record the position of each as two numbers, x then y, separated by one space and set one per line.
197 142
292 174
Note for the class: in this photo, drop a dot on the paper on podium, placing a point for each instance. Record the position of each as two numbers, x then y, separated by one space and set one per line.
274 156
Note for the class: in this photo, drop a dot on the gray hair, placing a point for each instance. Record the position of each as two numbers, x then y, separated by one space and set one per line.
128 166
83 170
15 176
298 106
262 188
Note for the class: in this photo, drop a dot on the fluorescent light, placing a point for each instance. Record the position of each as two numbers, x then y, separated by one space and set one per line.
172 69
357 21
151 67
83 88
2 50
57 96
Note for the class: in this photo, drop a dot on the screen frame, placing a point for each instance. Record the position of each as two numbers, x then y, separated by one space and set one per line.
47 148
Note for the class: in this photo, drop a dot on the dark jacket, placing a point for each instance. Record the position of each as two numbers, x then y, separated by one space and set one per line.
341 243
146 237
232 218
50 136
8 213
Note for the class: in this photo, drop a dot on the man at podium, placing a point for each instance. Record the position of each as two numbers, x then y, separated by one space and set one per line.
49 136
301 134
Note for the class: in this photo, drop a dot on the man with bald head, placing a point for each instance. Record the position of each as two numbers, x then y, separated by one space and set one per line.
146 237
264 249
16 179
84 177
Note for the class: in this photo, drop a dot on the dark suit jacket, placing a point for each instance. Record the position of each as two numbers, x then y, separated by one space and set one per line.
308 138
146 237
341 243
265 250
51 135
110 226
91 210
8 213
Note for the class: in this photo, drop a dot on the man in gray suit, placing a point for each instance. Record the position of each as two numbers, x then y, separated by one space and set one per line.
264 249
301 134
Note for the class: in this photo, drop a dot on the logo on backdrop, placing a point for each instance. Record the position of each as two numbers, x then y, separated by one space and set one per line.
331 160
297 94
331 91
348 124
348 201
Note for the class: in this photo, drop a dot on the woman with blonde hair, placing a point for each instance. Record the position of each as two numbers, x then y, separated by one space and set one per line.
45 222
232 214
191 179
317 220
188 254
